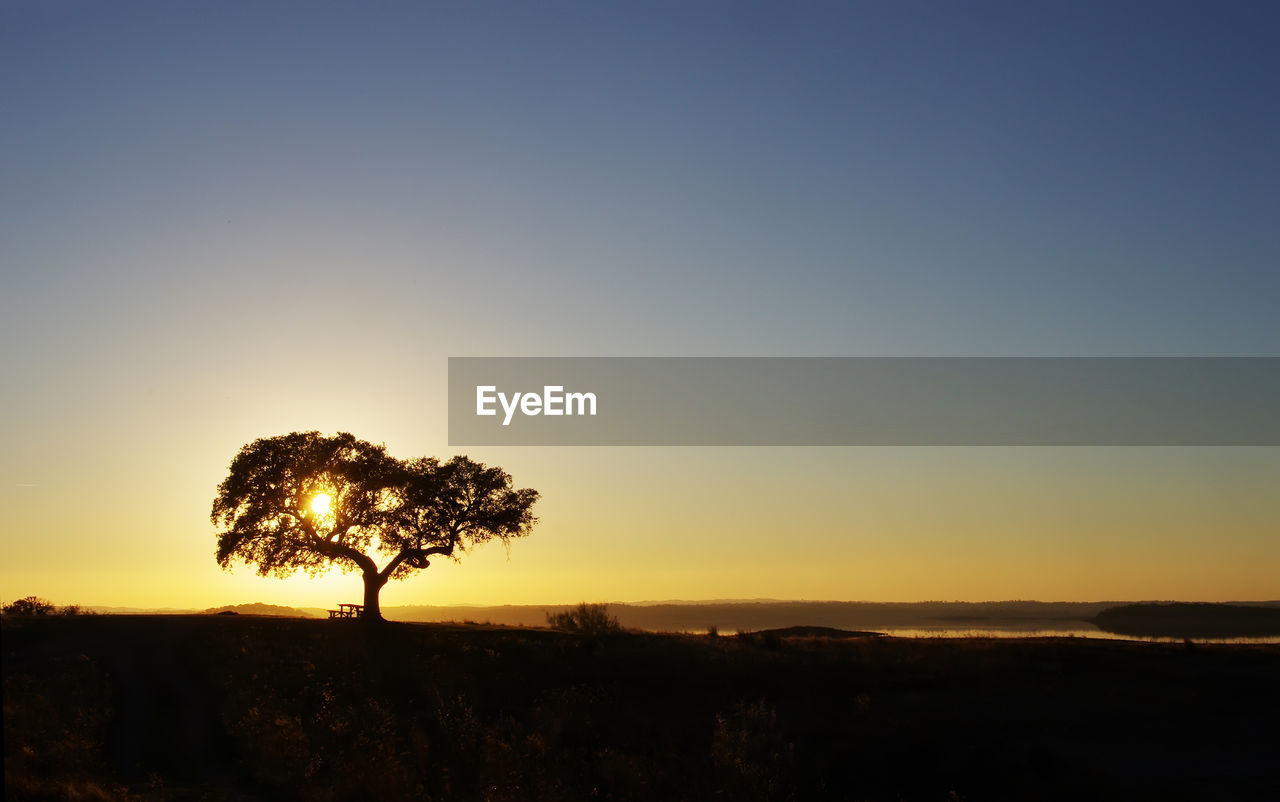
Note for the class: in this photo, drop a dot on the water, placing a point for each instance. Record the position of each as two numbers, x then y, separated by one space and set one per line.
1075 630
1092 632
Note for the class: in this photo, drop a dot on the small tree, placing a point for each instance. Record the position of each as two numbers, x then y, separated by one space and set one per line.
31 605
304 501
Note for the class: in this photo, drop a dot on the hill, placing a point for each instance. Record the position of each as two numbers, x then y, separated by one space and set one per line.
754 615
1191 620
258 608
740 616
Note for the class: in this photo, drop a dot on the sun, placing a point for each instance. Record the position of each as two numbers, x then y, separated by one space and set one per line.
321 504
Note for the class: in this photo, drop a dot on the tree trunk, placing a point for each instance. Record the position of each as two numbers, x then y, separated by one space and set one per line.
372 586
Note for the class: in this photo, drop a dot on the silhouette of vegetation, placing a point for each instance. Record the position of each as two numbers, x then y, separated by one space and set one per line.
31 605
751 754
34 605
1190 620
305 502
247 707
585 619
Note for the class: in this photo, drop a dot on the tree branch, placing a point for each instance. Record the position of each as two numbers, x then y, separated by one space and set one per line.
414 554
331 550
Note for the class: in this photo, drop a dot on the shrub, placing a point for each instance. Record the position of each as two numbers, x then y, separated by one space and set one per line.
586 619
34 605
751 754
31 605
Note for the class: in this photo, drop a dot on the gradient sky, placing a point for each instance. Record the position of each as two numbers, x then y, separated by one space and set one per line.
221 221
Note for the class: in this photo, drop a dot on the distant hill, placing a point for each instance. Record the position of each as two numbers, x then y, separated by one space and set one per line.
816 632
1191 620
755 615
109 610
758 615
258 608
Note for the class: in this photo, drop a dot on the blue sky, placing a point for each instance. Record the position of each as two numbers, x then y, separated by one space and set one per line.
224 220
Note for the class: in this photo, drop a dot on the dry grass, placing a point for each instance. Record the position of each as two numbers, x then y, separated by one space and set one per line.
208 707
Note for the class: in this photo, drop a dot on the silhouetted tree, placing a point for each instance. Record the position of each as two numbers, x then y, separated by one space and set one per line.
304 501
31 605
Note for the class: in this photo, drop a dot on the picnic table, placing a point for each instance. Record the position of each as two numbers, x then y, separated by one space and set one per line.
347 611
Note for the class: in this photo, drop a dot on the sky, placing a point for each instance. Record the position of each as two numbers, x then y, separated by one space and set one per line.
224 221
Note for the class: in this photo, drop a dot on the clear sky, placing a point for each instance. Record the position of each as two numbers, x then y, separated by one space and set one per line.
227 220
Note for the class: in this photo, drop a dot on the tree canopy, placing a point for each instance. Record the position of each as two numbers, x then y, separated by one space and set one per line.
31 605
305 501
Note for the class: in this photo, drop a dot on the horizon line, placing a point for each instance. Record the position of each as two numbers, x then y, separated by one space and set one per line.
696 602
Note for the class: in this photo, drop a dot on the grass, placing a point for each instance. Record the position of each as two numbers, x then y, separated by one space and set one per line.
209 707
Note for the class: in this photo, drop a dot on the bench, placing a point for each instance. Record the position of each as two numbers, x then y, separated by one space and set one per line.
347 611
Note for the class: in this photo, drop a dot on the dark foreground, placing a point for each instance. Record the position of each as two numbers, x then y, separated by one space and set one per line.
194 707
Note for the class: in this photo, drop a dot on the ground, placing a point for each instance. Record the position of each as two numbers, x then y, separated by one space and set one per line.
243 707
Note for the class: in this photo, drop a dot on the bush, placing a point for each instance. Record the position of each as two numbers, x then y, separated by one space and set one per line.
586 619
34 605
751 754
31 605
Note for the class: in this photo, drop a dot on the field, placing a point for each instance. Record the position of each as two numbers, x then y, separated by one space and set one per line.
244 707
